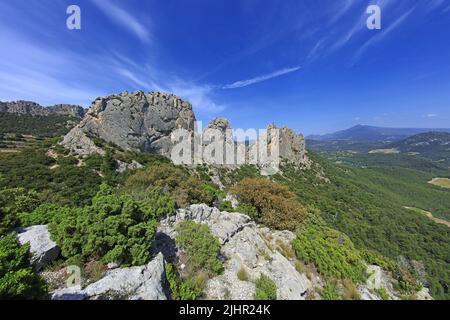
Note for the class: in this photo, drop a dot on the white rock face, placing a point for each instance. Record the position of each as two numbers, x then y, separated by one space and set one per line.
134 121
232 199
43 249
123 166
245 245
223 225
135 283
424 294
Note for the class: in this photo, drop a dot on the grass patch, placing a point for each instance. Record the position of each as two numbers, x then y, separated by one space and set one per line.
266 289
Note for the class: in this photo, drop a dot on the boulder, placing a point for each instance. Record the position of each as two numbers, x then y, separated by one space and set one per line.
134 283
43 249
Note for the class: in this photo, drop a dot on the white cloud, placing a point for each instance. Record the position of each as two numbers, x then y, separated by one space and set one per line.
119 15
244 83
200 96
431 115
133 78
341 9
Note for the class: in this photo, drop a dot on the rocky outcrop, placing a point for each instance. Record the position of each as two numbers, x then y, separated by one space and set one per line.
135 283
43 250
283 145
244 245
133 121
35 109
379 279
123 166
292 146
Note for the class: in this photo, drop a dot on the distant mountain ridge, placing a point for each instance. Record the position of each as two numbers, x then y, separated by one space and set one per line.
433 145
35 109
363 133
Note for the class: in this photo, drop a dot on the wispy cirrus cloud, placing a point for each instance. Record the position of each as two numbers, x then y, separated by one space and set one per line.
258 79
343 7
125 19
382 34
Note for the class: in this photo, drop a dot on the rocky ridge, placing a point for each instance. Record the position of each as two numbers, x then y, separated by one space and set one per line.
35 109
144 122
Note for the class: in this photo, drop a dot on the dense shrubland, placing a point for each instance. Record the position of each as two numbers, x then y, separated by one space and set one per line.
41 126
332 252
367 205
12 203
114 228
33 169
174 182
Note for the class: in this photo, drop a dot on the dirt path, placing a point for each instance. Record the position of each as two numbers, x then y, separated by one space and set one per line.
430 215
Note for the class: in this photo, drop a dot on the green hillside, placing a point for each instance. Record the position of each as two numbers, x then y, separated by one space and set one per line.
368 205
18 131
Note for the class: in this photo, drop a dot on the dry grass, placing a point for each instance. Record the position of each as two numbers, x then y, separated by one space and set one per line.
285 249
441 182
384 151
242 274
299 266
350 291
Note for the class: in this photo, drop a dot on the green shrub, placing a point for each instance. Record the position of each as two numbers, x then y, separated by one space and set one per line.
13 202
226 206
381 292
331 251
330 291
42 215
269 203
201 247
371 257
266 289
17 278
113 229
247 209
158 205
184 289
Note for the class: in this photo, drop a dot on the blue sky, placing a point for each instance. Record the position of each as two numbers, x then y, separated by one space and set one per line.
311 65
